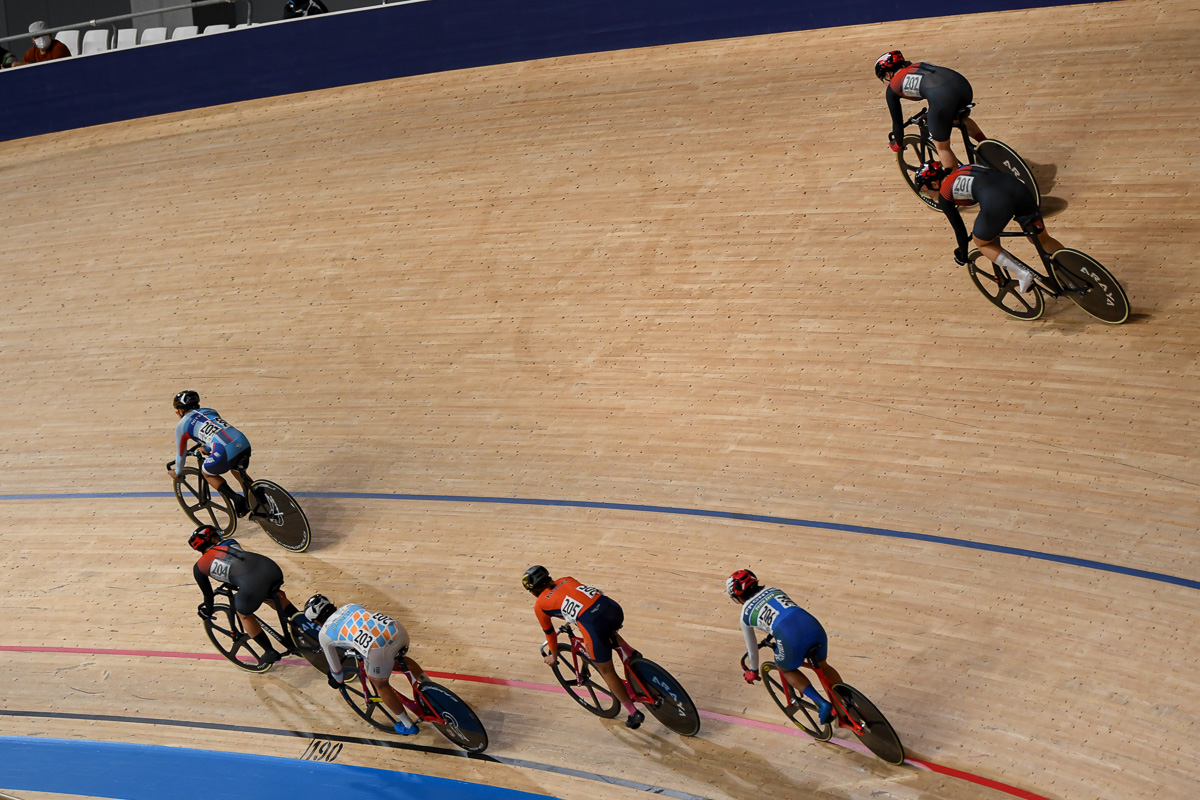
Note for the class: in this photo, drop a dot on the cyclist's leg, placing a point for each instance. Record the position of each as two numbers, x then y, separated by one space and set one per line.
944 104
254 589
598 627
213 468
834 676
379 663
238 468
415 669
1030 218
797 633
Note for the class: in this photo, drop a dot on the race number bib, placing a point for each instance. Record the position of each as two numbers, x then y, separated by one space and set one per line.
911 86
209 429
961 188
571 608
770 613
220 570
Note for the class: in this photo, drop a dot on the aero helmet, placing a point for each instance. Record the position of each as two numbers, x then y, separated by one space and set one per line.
739 584
187 400
319 608
203 538
930 171
889 62
535 579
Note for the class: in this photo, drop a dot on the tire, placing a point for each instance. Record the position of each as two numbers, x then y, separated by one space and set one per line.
878 734
1001 157
672 707
800 711
1090 286
226 633
280 516
370 709
458 723
582 686
914 151
995 284
196 499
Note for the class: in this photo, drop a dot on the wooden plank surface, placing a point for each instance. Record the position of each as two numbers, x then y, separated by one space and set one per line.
679 278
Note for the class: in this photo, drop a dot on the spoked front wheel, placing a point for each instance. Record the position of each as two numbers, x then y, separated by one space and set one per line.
458 722
1001 290
1000 156
226 633
586 687
672 705
914 152
874 730
798 709
367 705
197 501
1090 285
280 516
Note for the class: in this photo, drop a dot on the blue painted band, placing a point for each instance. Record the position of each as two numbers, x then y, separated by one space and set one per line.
1086 563
152 772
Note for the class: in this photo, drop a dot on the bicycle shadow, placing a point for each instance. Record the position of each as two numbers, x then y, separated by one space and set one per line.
1044 174
1052 206
755 775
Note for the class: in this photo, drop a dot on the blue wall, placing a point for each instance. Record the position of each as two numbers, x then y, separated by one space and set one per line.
397 40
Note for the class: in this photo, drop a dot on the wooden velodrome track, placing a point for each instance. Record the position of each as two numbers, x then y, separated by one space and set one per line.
681 278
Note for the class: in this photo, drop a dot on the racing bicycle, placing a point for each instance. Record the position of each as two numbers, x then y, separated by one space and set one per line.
646 682
271 506
854 711
917 148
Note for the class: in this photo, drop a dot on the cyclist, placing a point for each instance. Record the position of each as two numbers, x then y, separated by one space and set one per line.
256 578
947 93
1001 197
795 630
379 639
599 618
226 448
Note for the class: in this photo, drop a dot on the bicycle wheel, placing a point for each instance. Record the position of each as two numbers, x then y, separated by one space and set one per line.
800 711
226 633
1001 290
196 499
999 156
878 734
582 686
458 723
369 708
280 516
914 151
1090 285
672 706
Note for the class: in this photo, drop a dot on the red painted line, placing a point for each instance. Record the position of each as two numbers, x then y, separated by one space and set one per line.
546 687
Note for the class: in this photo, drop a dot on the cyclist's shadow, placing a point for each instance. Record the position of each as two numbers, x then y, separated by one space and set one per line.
754 774
1046 176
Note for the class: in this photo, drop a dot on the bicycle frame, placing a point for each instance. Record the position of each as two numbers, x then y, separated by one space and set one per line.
633 685
1048 284
789 691
284 639
919 118
419 710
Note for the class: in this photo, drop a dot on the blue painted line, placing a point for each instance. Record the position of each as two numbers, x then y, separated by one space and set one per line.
152 772
1085 563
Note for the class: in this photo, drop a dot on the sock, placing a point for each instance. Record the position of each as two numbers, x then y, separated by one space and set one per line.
629 708
264 642
811 694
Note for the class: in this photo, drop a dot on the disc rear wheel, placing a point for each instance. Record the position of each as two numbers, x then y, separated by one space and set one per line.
280 516
1090 286
999 156
876 732
672 705
456 721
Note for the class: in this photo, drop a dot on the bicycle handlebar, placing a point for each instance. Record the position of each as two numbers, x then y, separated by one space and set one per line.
915 118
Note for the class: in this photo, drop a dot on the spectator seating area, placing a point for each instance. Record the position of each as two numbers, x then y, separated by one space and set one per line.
97 41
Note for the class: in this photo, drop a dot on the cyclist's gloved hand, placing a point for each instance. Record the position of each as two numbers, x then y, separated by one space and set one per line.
750 675
171 465
334 683
960 257
892 143
205 610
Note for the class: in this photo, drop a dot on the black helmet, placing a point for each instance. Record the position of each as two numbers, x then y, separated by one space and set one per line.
536 579
929 172
187 400
889 62
203 538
